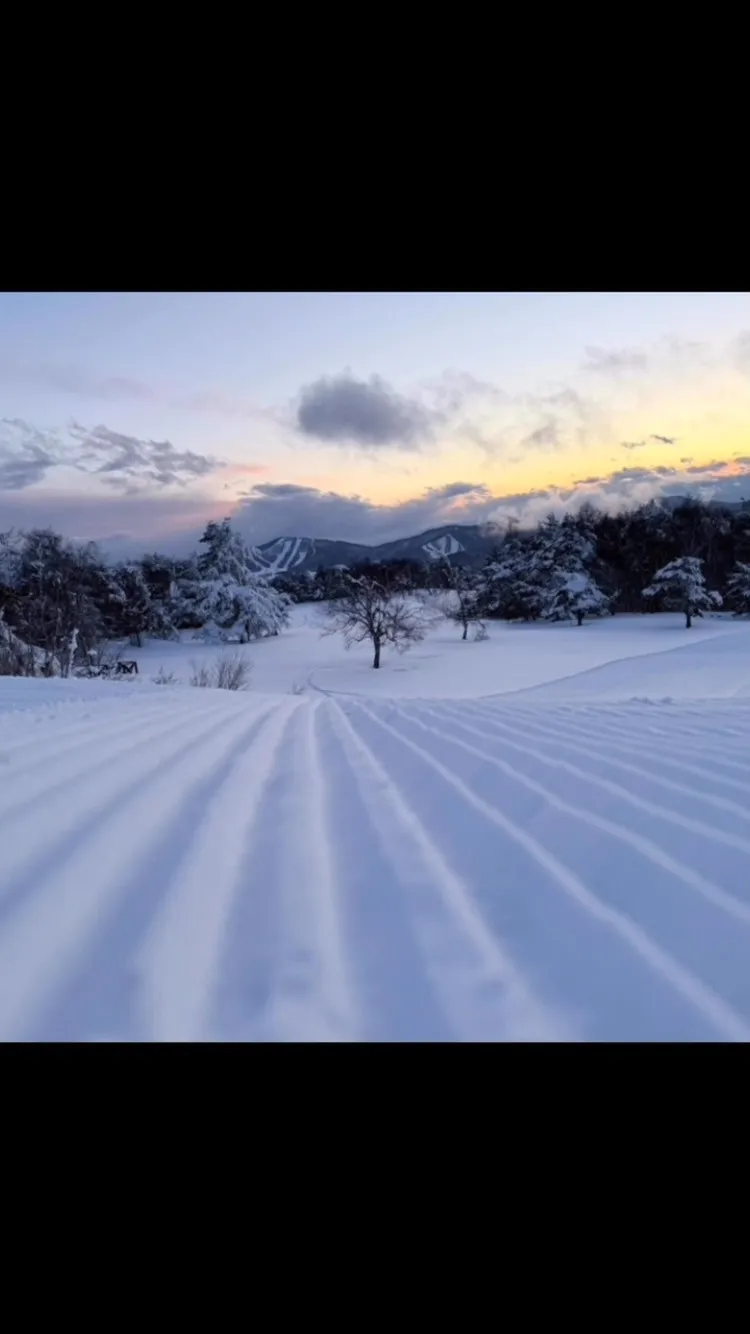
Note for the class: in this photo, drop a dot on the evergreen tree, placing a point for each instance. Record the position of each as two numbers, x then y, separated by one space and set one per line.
225 595
573 596
680 586
738 589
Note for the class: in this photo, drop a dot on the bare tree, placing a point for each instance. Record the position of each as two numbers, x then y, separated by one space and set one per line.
462 603
368 612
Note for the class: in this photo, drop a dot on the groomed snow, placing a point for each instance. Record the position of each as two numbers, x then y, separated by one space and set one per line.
541 837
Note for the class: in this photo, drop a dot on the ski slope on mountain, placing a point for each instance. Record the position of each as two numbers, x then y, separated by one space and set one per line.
567 863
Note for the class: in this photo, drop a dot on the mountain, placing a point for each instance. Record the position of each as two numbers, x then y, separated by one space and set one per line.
463 543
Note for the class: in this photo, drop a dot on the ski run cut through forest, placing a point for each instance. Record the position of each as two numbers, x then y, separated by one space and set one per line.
530 823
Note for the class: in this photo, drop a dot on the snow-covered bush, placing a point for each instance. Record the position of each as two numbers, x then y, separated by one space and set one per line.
680 586
163 678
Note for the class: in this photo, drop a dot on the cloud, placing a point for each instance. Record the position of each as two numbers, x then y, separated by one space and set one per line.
615 360
342 409
27 454
625 488
633 444
124 460
282 509
664 439
739 352
125 524
87 384
546 436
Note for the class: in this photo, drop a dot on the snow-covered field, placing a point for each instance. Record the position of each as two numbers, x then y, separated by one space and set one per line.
545 836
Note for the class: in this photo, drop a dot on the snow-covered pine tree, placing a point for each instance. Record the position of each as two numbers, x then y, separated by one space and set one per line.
738 589
509 587
227 596
573 596
680 586
561 553
132 598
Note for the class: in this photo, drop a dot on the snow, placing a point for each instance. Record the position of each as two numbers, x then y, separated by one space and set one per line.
540 837
445 545
513 658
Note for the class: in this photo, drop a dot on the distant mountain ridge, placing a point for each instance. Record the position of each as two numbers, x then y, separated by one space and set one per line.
462 543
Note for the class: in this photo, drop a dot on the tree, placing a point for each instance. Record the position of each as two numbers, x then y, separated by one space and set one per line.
62 594
367 611
574 596
133 603
226 596
738 589
510 588
680 586
463 601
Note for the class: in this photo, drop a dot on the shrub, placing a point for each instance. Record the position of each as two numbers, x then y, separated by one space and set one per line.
229 672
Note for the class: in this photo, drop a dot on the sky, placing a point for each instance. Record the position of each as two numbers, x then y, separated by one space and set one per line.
133 418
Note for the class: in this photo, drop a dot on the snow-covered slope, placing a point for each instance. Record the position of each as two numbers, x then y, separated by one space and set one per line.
564 864
285 553
446 545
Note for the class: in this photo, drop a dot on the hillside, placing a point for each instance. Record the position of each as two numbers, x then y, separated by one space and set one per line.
564 864
462 542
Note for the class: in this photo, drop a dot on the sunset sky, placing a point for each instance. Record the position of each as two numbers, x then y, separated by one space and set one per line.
133 418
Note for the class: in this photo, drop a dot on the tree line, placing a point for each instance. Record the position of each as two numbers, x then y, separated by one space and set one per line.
61 602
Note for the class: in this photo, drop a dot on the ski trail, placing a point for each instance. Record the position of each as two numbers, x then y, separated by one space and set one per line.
716 743
555 739
482 993
72 736
708 1005
688 925
31 783
285 971
689 824
178 966
381 881
650 850
101 995
640 748
48 935
624 738
102 787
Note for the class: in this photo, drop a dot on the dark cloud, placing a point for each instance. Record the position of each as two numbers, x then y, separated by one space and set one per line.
664 439
633 444
277 510
342 409
125 461
27 454
615 360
